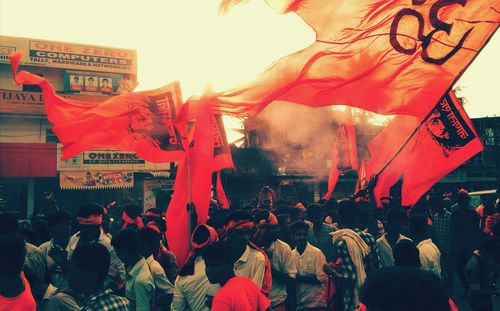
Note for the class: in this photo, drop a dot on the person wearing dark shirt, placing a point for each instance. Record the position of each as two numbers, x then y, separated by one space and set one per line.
464 231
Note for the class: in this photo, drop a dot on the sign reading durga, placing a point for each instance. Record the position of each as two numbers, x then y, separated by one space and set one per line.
439 26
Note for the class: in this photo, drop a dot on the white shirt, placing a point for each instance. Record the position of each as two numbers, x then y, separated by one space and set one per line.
116 267
190 291
140 287
251 264
162 284
282 261
430 257
310 262
384 250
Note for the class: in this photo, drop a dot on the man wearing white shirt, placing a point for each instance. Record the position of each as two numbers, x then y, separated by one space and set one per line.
140 286
150 243
386 242
430 256
192 285
280 255
311 279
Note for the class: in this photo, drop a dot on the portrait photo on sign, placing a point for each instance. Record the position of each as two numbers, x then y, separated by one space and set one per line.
75 83
91 84
106 85
447 127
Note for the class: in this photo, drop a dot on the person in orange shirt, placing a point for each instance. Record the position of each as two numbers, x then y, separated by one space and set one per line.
236 292
15 291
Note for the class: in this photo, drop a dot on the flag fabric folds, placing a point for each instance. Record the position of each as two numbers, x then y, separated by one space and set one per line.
208 152
344 154
221 194
386 56
443 141
140 122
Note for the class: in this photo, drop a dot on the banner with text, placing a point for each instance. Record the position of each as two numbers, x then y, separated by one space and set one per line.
96 180
107 160
55 54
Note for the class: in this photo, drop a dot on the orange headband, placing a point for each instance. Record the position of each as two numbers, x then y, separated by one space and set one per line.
214 237
237 225
153 226
153 214
95 219
129 221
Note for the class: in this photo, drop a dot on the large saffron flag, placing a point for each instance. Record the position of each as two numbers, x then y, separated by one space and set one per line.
193 184
442 141
140 122
386 56
208 152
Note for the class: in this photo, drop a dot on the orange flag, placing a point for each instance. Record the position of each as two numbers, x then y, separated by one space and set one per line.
362 177
386 56
445 141
140 122
442 141
344 154
221 194
208 152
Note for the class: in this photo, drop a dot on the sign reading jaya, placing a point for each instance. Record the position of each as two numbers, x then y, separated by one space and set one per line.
21 102
69 56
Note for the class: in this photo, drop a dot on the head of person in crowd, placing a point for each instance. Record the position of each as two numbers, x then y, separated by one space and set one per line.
41 226
8 224
203 236
331 210
127 246
406 254
300 232
60 227
29 234
88 268
316 215
463 199
156 216
267 228
131 216
89 218
218 220
435 204
219 263
348 214
418 227
447 204
403 288
149 238
240 228
12 256
489 250
395 220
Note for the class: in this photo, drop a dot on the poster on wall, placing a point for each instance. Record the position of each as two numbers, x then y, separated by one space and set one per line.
151 187
96 179
91 82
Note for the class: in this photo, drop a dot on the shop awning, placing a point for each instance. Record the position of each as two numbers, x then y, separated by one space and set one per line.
27 160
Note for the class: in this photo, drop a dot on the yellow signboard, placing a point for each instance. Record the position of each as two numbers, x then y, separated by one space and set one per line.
69 55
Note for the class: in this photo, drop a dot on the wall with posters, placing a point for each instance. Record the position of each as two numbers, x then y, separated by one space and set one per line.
104 71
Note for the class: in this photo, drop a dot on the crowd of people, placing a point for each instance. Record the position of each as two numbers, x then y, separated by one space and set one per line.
347 255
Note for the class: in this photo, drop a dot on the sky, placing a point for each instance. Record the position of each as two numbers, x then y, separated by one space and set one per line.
188 40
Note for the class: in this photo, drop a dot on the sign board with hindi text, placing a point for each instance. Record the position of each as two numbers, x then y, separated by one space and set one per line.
54 54
107 160
96 179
